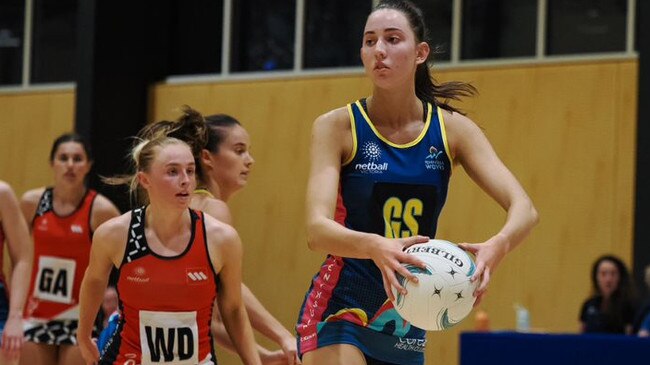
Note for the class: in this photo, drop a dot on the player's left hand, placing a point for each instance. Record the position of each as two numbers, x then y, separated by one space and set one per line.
276 357
488 256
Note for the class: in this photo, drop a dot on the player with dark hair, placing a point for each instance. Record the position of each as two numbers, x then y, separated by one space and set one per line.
380 169
611 308
63 219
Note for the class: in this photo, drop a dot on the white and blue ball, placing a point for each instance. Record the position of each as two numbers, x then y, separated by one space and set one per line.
443 295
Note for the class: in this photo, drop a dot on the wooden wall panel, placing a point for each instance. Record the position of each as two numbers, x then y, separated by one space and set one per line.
29 122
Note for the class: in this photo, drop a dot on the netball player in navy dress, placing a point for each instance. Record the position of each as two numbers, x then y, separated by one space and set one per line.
379 173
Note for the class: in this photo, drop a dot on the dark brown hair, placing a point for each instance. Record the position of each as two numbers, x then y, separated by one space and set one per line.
624 296
71 137
426 88
218 124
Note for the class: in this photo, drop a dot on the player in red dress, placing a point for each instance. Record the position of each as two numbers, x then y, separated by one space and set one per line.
63 218
170 259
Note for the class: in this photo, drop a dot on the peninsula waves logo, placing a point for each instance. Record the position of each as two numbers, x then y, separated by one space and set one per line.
433 161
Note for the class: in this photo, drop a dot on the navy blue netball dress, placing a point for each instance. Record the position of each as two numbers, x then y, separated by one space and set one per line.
394 190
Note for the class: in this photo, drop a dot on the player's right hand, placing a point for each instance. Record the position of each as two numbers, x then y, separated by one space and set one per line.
276 357
12 338
389 256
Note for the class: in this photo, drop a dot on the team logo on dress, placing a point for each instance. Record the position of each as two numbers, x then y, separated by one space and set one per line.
42 225
76 228
433 153
434 161
196 275
139 275
371 152
411 344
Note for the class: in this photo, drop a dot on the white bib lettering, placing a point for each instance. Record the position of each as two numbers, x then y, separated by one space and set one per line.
54 279
169 338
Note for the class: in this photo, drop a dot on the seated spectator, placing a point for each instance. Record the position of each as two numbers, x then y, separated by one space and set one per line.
611 307
109 304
